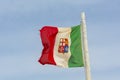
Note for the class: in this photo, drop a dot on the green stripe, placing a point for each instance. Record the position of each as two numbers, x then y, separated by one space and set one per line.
76 59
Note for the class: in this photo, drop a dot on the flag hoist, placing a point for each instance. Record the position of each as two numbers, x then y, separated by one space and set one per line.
66 47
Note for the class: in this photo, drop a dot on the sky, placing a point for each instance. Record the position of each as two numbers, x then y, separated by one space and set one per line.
20 43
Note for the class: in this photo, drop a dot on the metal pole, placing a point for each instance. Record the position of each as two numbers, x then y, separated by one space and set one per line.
85 47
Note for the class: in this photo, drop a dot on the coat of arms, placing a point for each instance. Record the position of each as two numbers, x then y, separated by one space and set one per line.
63 45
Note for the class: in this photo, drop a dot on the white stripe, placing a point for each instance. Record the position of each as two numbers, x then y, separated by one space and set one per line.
61 59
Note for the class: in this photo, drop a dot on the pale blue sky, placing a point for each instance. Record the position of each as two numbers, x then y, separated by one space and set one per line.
20 45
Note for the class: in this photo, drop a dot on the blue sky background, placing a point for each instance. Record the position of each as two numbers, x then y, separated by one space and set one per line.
20 45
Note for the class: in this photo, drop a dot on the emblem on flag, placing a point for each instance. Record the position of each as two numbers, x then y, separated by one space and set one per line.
63 45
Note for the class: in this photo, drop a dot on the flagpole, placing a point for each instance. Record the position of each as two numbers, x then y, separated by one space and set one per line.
85 47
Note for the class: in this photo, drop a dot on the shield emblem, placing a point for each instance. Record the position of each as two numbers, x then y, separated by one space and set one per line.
63 45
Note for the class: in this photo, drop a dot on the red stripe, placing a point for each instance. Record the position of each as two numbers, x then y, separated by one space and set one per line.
48 35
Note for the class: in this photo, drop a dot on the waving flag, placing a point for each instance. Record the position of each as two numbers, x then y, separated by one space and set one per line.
62 46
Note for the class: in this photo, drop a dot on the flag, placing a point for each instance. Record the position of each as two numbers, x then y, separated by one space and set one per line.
62 46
